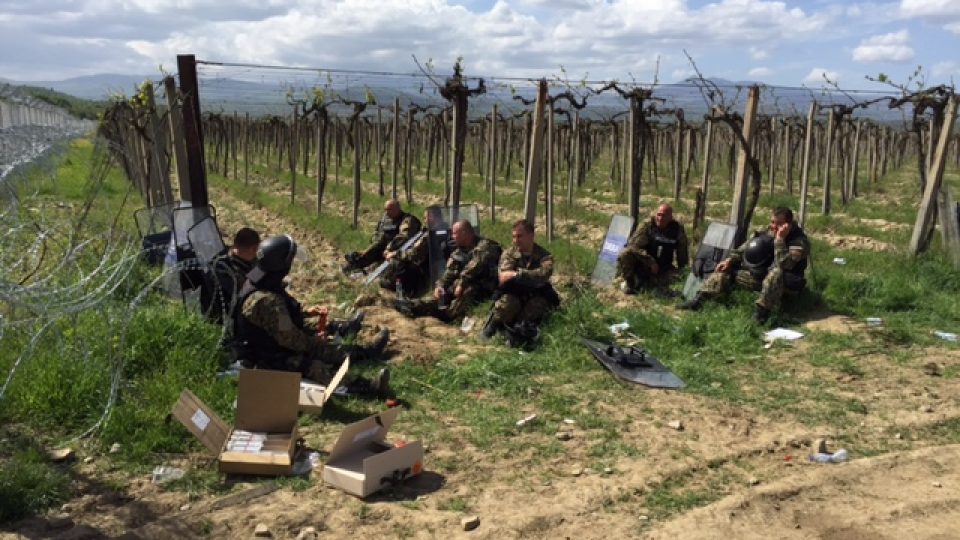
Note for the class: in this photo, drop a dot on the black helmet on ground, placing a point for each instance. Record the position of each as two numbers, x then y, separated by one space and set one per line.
276 254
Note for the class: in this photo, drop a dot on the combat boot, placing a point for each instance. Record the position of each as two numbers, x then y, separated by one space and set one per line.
352 258
760 314
373 350
490 328
378 387
694 303
345 328
404 306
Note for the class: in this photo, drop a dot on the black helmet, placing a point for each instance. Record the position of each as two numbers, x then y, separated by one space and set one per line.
759 252
276 254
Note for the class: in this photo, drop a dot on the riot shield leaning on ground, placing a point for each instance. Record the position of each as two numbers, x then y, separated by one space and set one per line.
439 222
155 225
179 252
715 246
613 243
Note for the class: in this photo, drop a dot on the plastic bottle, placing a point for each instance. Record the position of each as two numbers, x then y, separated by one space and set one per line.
837 457
322 322
399 289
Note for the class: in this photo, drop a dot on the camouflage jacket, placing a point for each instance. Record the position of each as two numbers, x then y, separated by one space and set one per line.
392 234
662 244
537 266
472 267
419 252
789 254
269 312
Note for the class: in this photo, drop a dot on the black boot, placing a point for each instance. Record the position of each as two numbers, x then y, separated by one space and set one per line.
352 259
490 328
404 306
373 350
345 328
760 314
694 303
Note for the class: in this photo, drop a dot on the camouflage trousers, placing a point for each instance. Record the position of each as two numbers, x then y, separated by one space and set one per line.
456 308
411 276
319 364
636 269
511 308
770 287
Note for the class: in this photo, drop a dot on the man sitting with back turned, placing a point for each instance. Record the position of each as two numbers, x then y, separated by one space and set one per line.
648 256
470 277
272 331
395 228
774 259
221 287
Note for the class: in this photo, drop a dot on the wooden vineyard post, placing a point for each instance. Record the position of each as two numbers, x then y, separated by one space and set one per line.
919 240
176 136
395 164
949 226
548 201
805 166
246 148
535 161
828 154
292 155
493 163
357 152
457 149
738 212
192 131
700 213
855 165
321 157
407 159
159 179
379 143
678 157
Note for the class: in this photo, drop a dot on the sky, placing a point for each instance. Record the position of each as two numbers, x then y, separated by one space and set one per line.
789 42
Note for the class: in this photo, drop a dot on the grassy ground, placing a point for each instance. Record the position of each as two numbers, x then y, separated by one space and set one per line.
158 349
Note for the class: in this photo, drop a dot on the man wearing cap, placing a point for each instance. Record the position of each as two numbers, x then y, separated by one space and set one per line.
773 260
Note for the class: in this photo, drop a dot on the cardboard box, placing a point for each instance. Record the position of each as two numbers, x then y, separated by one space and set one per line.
363 462
314 396
267 405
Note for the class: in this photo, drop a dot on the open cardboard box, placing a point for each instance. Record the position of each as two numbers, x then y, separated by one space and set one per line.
266 403
314 396
362 462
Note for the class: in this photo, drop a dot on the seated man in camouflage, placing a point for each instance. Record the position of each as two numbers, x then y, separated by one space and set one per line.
469 278
647 259
272 331
524 295
410 267
395 228
221 287
772 260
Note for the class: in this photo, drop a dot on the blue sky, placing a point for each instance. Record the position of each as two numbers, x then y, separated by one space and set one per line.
778 42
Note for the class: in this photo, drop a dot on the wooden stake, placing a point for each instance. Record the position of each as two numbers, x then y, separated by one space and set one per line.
918 242
805 167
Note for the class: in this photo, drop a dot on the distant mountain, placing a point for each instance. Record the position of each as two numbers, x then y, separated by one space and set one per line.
95 87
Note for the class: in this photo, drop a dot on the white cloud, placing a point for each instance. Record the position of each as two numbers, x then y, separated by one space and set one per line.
929 8
892 47
760 72
946 69
946 12
758 53
817 74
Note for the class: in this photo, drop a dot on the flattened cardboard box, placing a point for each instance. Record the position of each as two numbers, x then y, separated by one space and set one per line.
314 396
266 403
363 462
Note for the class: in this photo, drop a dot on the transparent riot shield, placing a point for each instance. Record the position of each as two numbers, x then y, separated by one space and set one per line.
188 275
155 225
205 240
715 246
439 223
613 244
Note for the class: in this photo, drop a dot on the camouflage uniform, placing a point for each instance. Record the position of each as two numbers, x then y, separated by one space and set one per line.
649 245
390 235
786 270
529 296
275 334
411 266
474 270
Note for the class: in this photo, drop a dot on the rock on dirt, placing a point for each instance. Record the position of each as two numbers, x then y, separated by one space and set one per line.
308 533
675 424
470 523
61 455
262 531
115 448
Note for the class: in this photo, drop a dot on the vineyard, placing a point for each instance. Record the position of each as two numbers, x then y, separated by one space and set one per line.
315 153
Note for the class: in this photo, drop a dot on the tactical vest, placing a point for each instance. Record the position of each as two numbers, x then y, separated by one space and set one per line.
255 345
664 243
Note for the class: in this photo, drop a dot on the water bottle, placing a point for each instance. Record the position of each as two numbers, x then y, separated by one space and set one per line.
442 302
823 457
399 289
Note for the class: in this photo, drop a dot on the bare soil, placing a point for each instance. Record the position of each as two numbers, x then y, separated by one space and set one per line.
753 464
